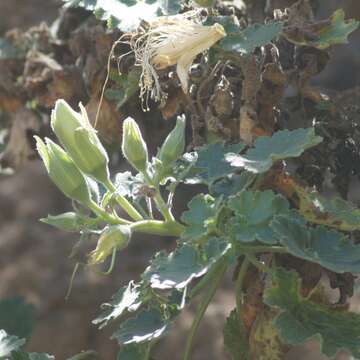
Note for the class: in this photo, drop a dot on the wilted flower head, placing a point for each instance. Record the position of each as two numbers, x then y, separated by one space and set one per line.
172 40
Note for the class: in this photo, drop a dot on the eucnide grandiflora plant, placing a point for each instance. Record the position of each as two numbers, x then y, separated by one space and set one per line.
243 221
82 163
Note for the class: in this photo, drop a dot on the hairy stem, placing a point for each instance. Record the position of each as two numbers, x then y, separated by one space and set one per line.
124 203
159 201
199 287
157 227
201 310
239 285
110 219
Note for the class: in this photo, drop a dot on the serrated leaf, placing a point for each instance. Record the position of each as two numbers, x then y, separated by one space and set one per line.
253 213
9 343
235 338
232 184
128 299
16 317
300 319
210 164
330 249
149 324
247 40
126 14
324 34
134 352
201 217
333 212
268 150
22 355
187 262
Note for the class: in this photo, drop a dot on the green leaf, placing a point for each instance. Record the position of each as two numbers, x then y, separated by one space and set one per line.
333 212
330 249
235 338
325 34
300 319
253 212
134 352
232 184
9 343
201 217
127 14
16 317
246 41
22 355
187 262
210 164
268 150
149 324
128 299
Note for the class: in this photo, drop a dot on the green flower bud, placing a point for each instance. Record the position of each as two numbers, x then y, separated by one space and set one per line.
80 140
63 172
117 236
174 145
133 145
68 221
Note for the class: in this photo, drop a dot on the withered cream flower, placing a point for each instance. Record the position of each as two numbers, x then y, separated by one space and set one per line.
172 40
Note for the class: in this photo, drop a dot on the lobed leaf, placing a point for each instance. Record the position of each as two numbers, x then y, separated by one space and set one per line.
333 212
232 184
187 262
268 150
247 40
210 163
201 217
149 324
128 299
300 319
323 34
253 213
330 249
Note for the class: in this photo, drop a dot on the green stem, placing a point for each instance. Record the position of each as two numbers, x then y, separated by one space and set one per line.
258 264
158 227
162 206
123 202
159 201
199 287
239 285
110 219
201 310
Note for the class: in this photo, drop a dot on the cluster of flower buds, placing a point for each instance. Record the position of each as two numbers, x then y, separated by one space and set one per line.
83 161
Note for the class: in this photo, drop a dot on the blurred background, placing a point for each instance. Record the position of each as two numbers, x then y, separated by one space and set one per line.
34 257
